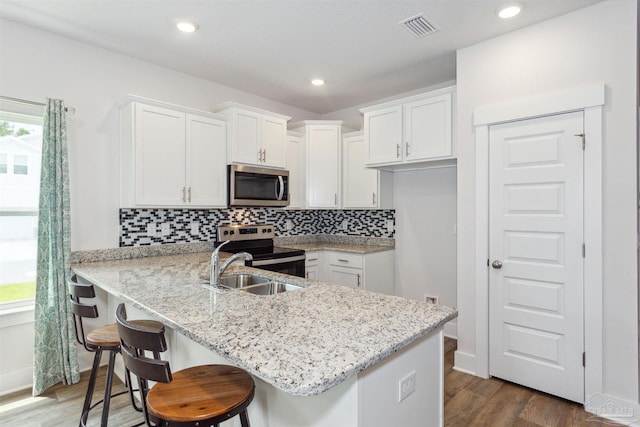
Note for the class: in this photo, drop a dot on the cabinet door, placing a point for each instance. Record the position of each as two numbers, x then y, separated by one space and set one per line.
245 145
427 128
351 277
206 172
360 184
312 273
323 173
274 135
383 131
295 166
159 156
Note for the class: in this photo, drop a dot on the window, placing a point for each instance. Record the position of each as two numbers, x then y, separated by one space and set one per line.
20 164
20 157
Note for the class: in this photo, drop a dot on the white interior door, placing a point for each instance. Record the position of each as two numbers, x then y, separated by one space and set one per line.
536 254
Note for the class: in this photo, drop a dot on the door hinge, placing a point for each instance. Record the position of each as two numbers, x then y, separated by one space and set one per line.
584 359
581 135
584 251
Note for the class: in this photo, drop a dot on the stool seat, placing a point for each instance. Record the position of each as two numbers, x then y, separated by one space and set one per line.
201 393
107 335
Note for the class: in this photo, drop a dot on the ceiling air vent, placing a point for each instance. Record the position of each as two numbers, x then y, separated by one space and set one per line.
419 26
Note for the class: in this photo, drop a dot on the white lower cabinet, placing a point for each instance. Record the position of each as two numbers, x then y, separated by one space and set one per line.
312 265
372 272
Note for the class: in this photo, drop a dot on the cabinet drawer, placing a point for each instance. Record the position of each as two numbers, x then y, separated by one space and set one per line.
312 259
345 259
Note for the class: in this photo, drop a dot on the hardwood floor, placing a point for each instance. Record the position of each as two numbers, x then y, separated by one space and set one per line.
473 401
468 401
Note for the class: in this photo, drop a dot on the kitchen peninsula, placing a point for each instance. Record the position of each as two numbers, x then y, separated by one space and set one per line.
324 355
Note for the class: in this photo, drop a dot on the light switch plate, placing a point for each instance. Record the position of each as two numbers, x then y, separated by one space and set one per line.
165 228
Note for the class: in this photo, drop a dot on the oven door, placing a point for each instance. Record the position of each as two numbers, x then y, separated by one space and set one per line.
293 266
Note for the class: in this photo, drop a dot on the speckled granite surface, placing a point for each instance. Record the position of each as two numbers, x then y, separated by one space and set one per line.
303 342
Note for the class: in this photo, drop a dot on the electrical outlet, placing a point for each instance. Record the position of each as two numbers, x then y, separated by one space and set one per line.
195 228
151 229
406 386
288 224
165 228
389 226
345 224
431 299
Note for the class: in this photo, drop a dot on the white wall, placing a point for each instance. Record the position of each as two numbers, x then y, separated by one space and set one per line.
593 45
37 64
425 203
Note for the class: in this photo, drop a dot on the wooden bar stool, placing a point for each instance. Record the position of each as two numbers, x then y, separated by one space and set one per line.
102 339
199 396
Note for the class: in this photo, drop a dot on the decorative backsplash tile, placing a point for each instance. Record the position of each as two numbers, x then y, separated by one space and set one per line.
142 227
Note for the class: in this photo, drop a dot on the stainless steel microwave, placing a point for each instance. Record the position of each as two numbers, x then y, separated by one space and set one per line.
255 186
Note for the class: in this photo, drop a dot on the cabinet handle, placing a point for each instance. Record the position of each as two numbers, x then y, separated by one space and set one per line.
312 259
373 198
406 149
264 155
358 279
184 194
343 260
335 199
398 150
260 155
189 195
306 274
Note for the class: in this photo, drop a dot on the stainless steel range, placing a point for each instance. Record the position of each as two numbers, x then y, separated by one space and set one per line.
258 241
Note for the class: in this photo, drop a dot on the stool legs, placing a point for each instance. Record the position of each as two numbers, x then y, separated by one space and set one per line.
107 389
92 385
244 419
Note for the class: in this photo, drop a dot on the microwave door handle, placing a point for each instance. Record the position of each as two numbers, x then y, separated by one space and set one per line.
279 188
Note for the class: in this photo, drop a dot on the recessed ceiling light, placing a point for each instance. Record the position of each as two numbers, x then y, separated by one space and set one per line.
187 26
509 11
317 82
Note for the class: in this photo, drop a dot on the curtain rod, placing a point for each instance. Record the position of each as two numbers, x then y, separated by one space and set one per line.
70 110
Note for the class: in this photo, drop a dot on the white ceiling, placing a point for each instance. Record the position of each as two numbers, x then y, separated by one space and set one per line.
272 48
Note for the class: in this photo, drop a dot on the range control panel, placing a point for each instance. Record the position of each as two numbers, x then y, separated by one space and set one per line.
245 232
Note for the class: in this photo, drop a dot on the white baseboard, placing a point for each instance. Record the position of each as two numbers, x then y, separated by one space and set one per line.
16 380
464 362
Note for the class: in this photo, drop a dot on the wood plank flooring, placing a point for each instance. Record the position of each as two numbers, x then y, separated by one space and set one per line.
469 401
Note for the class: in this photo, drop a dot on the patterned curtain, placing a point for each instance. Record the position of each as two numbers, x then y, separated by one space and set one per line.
55 357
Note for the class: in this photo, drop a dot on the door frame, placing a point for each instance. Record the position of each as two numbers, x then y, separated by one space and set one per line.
590 100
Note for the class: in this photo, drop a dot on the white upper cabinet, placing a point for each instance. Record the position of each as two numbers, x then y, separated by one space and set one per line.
411 131
363 187
323 142
257 137
296 168
171 156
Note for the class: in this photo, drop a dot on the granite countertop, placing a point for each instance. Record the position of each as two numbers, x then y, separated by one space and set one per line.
341 247
303 342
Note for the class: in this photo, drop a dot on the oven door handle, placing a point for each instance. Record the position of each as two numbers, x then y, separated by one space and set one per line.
273 261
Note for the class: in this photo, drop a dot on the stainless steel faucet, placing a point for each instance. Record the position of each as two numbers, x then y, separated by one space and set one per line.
217 270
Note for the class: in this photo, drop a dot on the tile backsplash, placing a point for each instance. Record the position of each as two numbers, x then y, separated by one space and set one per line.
142 227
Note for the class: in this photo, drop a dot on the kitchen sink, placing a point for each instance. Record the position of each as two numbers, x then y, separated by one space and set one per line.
242 280
253 284
271 288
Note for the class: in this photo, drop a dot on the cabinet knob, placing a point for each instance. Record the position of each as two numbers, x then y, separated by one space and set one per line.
497 264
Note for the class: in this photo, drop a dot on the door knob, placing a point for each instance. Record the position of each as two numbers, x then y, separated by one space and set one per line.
496 264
